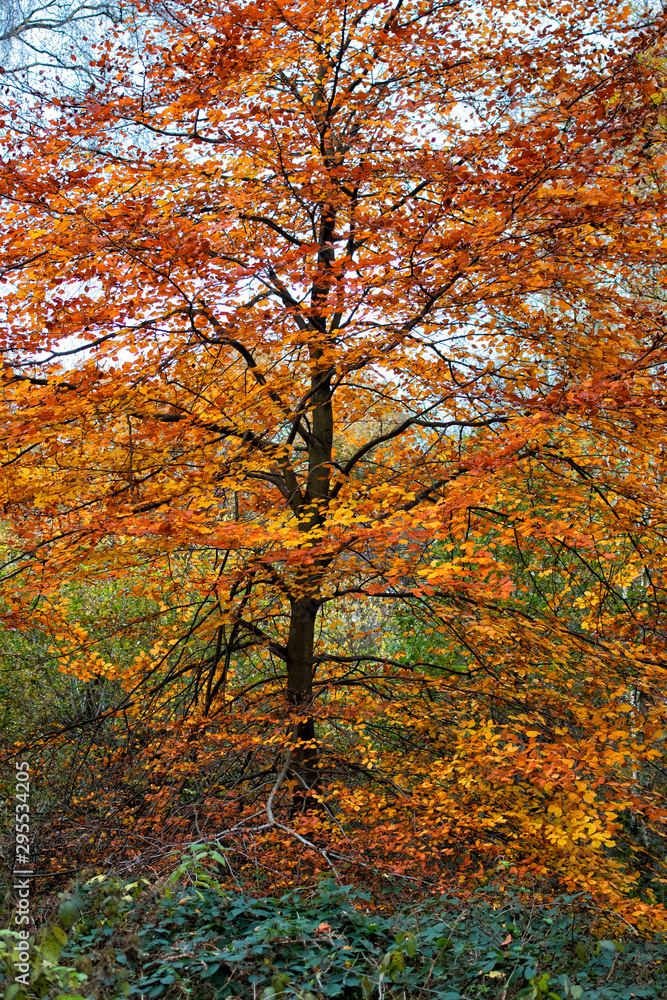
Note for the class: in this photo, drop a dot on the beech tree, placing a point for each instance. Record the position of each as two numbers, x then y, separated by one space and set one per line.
312 308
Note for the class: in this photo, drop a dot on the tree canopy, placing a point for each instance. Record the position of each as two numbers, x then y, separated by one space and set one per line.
328 324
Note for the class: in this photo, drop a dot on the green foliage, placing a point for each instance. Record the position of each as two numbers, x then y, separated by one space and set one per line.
49 976
193 938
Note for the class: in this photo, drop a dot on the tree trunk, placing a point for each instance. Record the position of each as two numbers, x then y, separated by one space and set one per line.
300 695
312 514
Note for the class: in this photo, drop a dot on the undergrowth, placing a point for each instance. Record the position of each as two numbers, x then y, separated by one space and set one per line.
191 937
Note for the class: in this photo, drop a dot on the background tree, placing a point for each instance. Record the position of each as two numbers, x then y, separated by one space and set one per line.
51 41
307 307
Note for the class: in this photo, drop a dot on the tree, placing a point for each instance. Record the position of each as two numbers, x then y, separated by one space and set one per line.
50 39
300 300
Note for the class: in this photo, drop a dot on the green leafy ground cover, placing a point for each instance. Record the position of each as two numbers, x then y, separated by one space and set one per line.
190 937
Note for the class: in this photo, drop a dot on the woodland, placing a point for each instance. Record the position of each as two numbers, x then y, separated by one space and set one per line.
333 527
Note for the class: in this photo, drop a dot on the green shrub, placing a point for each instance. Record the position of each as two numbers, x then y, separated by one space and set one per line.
191 938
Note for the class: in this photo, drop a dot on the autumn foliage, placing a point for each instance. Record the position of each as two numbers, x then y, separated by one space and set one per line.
333 336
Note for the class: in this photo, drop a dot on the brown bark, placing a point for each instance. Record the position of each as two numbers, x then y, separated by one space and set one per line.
300 695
